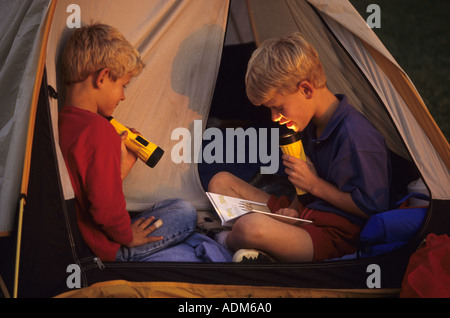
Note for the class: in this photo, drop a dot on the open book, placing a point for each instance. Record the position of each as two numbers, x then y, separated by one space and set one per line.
230 209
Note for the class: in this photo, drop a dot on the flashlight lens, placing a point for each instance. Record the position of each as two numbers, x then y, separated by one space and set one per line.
155 156
289 138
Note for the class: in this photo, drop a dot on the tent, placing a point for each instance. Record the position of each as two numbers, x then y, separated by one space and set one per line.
182 42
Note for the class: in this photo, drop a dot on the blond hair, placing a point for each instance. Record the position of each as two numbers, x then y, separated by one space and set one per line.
279 65
95 47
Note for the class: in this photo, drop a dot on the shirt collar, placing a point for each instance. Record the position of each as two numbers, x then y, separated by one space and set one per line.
340 112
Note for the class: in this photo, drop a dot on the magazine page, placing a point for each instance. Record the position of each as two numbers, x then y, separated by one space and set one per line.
230 208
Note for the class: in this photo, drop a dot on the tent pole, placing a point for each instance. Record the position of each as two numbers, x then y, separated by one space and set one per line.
19 239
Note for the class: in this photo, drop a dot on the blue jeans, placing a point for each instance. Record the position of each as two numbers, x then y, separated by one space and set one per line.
179 221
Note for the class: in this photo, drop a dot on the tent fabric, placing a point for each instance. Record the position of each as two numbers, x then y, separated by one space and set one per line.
406 123
126 289
345 14
47 244
239 29
22 33
181 49
405 107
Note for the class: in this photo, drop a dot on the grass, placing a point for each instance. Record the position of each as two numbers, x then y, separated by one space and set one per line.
416 34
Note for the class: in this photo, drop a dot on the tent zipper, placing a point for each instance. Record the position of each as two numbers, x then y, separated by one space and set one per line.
99 263
91 262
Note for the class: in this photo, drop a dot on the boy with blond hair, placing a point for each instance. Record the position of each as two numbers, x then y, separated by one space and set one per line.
97 64
347 171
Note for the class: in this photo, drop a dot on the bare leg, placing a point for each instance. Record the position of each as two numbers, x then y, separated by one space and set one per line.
227 184
286 243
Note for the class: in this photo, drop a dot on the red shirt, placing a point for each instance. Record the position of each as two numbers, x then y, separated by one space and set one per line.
91 149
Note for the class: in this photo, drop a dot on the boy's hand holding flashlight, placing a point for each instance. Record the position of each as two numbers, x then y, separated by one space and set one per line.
127 157
145 150
301 174
295 160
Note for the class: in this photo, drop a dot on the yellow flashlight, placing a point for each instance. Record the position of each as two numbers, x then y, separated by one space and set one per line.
145 150
292 145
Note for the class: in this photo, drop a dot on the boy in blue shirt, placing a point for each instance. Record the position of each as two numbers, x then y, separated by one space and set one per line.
348 168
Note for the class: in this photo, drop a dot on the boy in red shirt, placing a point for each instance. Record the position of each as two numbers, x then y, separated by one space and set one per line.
97 64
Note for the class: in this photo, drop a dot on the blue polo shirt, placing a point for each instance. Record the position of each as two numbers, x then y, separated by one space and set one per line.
352 155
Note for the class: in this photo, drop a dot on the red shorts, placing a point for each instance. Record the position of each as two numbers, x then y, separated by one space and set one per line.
332 235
